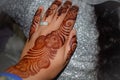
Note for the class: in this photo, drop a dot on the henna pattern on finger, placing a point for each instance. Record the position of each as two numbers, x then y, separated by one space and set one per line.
68 22
35 22
32 30
51 10
64 8
73 45
37 15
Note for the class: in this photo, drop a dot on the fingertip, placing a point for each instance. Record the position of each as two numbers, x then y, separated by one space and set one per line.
75 7
42 11
37 17
59 0
41 7
39 11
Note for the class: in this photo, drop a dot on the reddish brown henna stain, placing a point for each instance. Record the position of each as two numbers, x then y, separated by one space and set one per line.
52 8
35 22
32 30
45 49
68 22
39 56
64 8
73 45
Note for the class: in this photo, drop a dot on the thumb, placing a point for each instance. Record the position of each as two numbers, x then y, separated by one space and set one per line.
71 45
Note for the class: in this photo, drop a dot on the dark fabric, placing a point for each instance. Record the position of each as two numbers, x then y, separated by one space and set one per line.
5 33
108 21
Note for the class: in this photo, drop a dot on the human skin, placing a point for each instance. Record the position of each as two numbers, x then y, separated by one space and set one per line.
48 48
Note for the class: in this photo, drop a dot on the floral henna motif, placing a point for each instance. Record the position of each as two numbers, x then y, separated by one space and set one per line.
53 8
64 8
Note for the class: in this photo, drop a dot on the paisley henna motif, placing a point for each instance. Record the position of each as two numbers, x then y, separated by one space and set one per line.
52 8
45 48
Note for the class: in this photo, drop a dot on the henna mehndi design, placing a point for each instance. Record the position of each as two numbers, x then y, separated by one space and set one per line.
64 8
39 56
68 22
35 22
52 8
73 45
45 48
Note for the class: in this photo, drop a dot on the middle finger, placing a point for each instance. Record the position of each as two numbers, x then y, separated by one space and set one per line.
51 11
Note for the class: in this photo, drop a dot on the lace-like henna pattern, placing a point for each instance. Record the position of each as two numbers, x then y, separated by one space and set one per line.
64 8
45 48
53 8
35 22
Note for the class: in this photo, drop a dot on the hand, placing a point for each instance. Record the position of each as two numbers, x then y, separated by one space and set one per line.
49 48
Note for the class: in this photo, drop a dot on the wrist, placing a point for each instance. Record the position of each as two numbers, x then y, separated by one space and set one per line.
38 76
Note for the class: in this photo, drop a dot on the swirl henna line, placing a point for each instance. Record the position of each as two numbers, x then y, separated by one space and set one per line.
36 55
64 30
70 18
62 38
35 51
35 62
52 8
31 69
